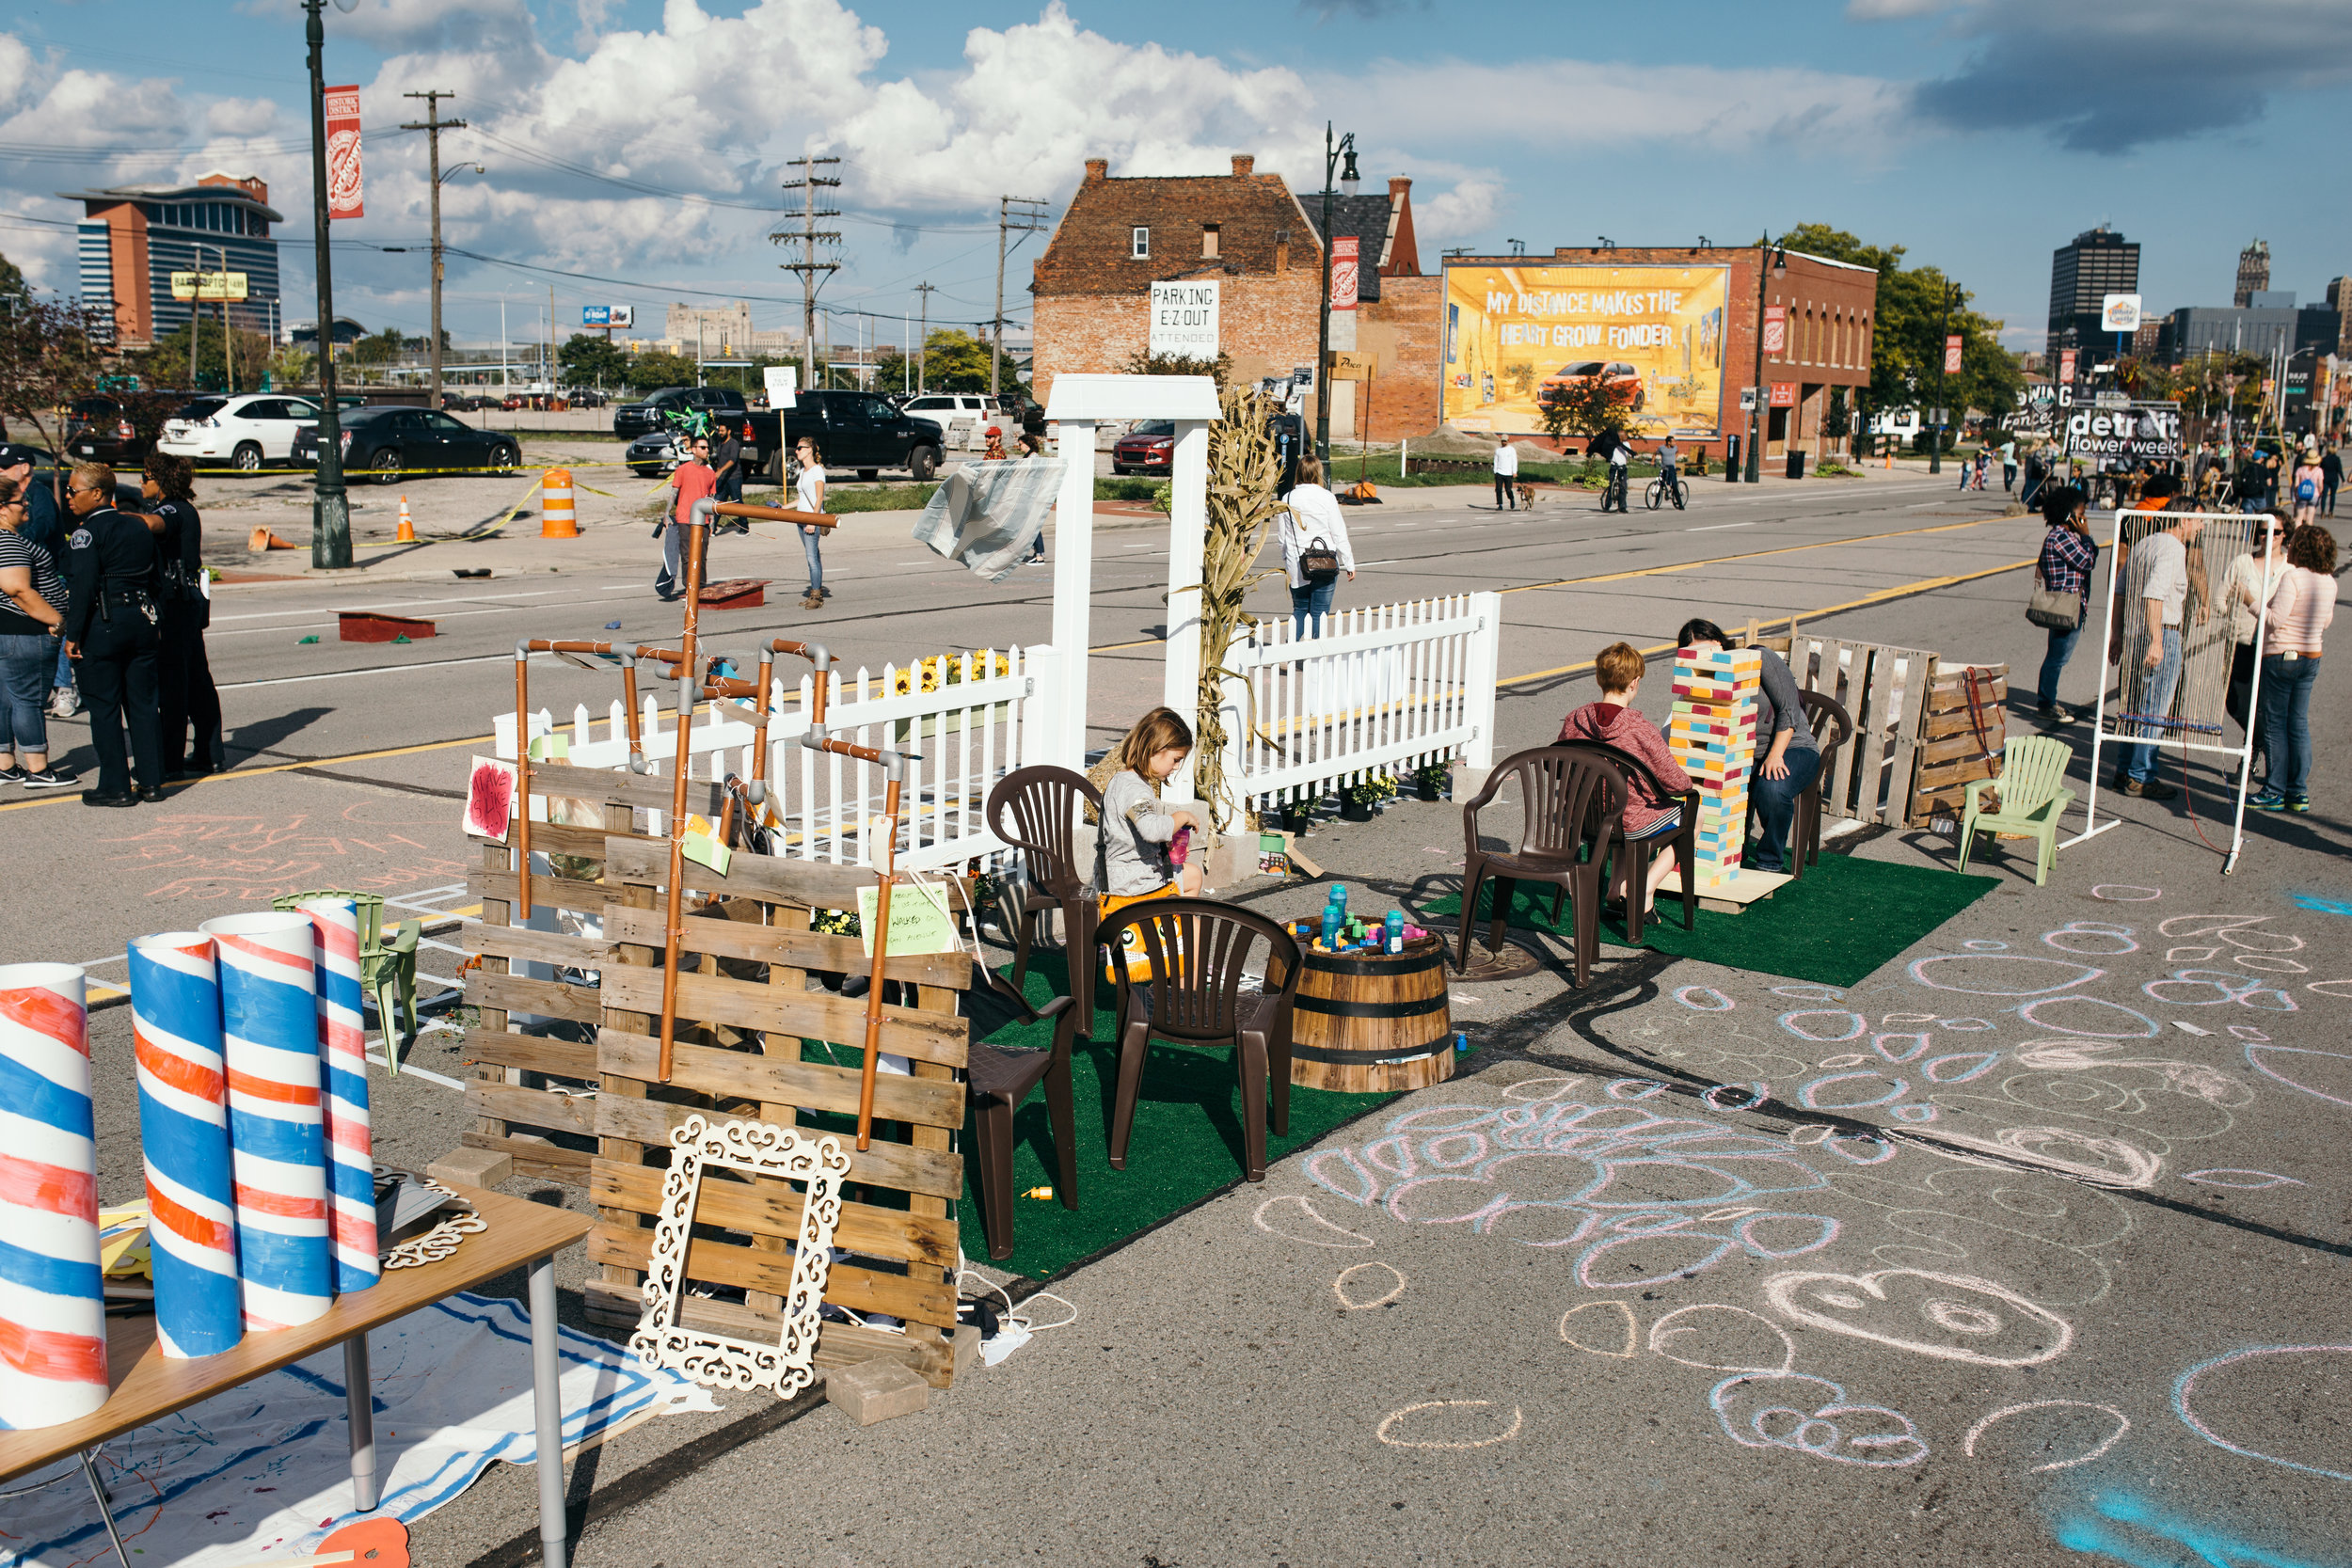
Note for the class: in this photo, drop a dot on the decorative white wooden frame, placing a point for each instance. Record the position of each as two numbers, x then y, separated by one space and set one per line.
437 1243
760 1148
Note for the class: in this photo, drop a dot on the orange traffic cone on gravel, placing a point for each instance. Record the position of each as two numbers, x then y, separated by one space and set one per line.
407 535
262 539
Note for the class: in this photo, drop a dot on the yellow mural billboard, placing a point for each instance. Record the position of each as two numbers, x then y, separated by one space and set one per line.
1517 337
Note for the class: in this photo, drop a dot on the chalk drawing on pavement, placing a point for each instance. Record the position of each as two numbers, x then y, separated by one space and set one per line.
1950 1316
1385 1431
2122 1425
1813 1416
1352 1296
1609 1329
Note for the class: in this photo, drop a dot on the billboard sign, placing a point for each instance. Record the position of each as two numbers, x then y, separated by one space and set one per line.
208 285
1518 336
2145 432
1184 319
607 315
342 154
2118 313
1345 271
1776 330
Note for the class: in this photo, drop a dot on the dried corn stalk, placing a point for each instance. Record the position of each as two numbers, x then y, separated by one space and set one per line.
1244 469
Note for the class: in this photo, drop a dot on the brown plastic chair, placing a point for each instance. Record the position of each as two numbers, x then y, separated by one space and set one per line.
1683 841
1832 726
1036 810
1200 950
1574 805
999 1078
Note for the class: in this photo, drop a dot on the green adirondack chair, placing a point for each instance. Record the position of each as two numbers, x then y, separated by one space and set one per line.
2033 792
387 969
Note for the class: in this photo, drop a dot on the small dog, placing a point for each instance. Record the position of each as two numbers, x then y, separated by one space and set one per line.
1526 496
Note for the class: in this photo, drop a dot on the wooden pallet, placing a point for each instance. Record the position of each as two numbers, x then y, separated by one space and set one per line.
532 1095
1882 690
1950 751
754 1041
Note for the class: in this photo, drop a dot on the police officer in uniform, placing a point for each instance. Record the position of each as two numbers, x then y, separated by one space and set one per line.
112 630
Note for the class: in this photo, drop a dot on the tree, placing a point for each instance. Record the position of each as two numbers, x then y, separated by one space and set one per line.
168 364
959 363
1588 404
660 368
379 348
1144 362
13 292
48 358
1908 327
589 359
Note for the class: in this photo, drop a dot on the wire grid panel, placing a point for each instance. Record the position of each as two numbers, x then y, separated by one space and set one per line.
966 734
1381 687
2231 566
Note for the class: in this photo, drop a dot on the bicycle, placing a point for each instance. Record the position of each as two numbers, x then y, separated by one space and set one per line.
1612 498
1659 491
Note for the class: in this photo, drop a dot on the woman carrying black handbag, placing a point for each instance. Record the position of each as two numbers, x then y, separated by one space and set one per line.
1315 550
2061 583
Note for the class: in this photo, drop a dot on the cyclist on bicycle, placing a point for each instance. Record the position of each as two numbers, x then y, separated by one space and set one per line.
1668 460
1613 446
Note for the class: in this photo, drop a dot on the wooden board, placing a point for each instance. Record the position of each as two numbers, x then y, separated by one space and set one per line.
1728 897
1951 748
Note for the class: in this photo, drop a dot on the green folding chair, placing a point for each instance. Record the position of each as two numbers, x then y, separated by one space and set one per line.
2033 792
388 970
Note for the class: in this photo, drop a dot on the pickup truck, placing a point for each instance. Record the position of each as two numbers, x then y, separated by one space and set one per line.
857 431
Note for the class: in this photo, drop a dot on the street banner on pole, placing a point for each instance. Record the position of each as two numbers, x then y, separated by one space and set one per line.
1775 330
1344 257
1951 355
342 154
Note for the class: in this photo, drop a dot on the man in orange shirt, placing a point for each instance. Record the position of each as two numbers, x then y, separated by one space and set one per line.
692 482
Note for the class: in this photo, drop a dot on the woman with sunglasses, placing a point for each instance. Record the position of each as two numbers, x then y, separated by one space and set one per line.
809 496
32 609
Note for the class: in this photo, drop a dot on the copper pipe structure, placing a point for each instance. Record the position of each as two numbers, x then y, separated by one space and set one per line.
571 652
674 932
722 688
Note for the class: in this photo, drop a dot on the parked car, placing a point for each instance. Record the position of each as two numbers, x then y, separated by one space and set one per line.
469 402
245 431
1148 448
1623 380
653 455
387 443
946 407
117 429
636 419
858 431
584 397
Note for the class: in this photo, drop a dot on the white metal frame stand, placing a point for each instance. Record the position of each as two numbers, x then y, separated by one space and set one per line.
2092 826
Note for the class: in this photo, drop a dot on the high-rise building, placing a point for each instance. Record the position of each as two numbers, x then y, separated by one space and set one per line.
2254 274
134 237
2099 263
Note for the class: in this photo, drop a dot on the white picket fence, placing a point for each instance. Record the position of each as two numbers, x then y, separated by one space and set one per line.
968 733
1383 689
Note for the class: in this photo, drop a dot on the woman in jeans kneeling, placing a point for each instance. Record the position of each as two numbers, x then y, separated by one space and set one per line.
1313 518
2300 609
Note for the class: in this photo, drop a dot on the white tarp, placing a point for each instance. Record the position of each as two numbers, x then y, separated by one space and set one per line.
987 515
265 1469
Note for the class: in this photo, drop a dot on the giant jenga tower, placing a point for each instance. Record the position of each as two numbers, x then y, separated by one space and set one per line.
1712 736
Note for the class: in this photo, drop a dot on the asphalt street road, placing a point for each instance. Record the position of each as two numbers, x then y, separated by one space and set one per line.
2069 1292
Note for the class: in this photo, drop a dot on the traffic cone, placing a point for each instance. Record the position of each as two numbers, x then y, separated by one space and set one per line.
407 535
262 539
559 517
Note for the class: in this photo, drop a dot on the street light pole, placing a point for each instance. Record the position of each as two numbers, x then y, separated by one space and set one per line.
1332 152
330 510
1778 267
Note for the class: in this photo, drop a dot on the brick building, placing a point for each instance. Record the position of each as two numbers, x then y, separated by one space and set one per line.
133 238
1394 329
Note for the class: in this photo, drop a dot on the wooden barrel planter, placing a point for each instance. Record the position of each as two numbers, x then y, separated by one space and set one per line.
1373 1022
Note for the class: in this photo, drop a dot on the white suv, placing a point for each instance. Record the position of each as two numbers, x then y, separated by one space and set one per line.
244 431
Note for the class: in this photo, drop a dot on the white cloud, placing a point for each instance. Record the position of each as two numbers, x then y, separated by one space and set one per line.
240 117
1471 208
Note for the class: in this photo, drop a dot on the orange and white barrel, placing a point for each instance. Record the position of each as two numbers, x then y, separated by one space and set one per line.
559 517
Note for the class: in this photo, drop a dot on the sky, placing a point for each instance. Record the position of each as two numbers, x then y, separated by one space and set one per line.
634 150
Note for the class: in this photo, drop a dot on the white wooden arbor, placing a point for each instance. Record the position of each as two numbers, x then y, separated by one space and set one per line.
1078 404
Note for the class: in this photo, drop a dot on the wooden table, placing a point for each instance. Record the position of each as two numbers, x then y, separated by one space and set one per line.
149 1386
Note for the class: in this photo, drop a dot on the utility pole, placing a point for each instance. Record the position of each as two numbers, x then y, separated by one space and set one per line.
1029 220
923 344
433 127
1943 349
1774 262
808 266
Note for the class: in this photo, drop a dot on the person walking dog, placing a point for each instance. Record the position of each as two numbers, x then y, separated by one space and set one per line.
1506 475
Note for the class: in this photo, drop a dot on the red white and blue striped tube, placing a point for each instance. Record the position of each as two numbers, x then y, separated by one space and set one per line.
343 1049
183 1132
52 1312
270 1038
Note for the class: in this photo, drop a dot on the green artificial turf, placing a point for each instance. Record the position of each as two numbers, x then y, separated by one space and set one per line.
1835 926
1186 1145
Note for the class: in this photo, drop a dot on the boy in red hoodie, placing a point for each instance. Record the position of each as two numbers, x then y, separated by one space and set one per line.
1613 721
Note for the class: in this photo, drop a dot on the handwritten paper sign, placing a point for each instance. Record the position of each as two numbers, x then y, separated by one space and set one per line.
491 798
920 921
